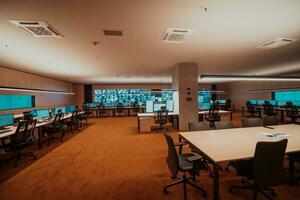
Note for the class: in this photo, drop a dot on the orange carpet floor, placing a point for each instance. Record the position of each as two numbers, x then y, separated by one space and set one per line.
111 160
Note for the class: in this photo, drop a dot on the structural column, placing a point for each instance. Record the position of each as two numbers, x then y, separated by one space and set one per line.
185 81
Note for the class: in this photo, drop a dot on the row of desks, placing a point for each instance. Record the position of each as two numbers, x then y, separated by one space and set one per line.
221 145
261 108
39 126
202 114
114 110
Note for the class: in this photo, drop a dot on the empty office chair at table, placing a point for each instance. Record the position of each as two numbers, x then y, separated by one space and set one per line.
100 111
227 105
136 108
23 138
198 126
269 109
223 125
270 121
56 127
251 110
251 122
74 121
120 109
85 116
213 115
161 119
266 171
185 163
292 113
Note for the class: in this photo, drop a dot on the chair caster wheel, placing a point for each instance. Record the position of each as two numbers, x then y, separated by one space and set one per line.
273 194
231 191
204 195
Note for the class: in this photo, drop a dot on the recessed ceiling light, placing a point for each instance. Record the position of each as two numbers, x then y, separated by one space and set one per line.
176 35
279 42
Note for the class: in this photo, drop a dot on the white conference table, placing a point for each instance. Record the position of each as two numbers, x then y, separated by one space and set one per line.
236 144
39 125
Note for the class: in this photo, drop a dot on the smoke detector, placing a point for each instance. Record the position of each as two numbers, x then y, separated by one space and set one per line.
36 28
176 35
279 42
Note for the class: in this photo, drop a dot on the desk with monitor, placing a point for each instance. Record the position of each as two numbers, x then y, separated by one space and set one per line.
221 145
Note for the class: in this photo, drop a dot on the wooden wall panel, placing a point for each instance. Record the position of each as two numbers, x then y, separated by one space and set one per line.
14 78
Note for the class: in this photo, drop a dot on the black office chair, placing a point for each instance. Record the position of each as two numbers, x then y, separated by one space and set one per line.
161 119
227 105
267 171
223 125
270 121
100 110
269 109
251 122
54 128
120 109
74 121
136 108
213 116
85 116
185 163
23 138
292 113
251 109
198 126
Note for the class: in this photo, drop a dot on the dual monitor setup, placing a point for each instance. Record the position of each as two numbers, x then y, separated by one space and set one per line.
8 119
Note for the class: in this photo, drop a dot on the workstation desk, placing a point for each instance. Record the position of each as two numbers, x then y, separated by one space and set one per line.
149 118
221 145
39 125
114 109
261 108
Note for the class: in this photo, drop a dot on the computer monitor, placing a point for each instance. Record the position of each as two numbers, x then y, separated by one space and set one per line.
281 103
260 102
157 106
273 102
34 113
6 120
170 105
222 101
63 110
149 106
254 102
205 106
43 113
70 108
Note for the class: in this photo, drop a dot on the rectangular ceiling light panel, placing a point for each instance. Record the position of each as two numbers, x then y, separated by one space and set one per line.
176 35
37 28
279 42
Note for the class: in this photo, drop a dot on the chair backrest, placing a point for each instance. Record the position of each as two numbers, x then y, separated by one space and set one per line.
268 163
162 116
21 131
268 109
223 125
198 126
270 120
227 104
291 110
57 120
172 159
251 122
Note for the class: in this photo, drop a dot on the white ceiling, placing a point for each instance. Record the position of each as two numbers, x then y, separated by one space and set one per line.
224 39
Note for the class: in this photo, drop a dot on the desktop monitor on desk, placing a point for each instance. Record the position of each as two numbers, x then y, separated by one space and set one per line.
260 102
157 106
254 102
6 120
69 109
273 102
61 109
281 103
43 113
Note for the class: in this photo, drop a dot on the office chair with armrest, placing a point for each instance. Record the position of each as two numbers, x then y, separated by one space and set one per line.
267 171
292 113
120 109
74 121
270 121
227 105
85 116
251 122
223 125
185 163
55 127
161 119
101 111
136 108
251 109
269 110
213 116
22 139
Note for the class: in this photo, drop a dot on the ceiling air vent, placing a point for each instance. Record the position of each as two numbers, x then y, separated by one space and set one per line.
112 33
176 35
279 42
36 28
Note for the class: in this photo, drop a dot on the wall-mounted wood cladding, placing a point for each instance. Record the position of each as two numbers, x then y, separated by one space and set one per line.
18 79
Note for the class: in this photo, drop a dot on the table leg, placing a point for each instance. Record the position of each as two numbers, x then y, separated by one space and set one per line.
231 116
282 116
139 128
216 181
40 146
243 111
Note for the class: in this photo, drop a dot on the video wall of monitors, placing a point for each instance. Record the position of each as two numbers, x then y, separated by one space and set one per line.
129 97
283 96
204 99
